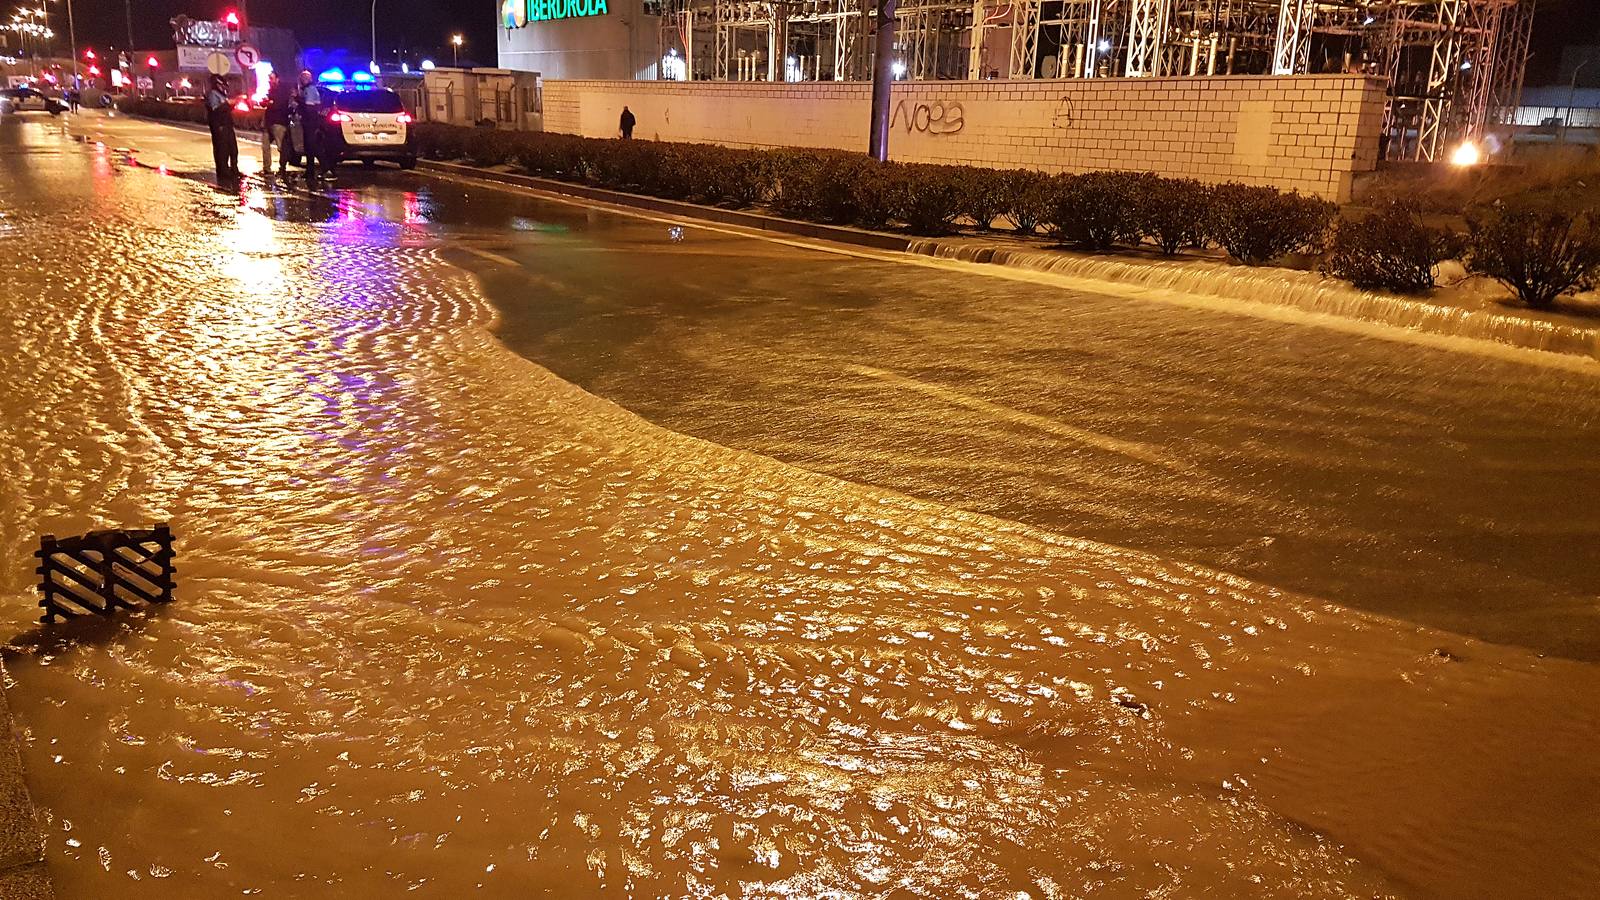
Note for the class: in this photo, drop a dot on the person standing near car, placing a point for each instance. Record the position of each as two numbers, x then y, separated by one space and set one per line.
219 119
308 103
280 97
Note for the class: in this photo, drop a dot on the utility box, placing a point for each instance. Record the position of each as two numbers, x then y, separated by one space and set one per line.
492 98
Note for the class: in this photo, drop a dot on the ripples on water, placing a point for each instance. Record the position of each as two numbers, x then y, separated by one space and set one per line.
448 623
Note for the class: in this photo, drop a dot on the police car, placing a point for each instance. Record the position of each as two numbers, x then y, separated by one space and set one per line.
18 99
369 124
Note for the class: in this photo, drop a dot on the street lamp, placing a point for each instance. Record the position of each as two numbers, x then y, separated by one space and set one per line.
72 37
455 49
1572 93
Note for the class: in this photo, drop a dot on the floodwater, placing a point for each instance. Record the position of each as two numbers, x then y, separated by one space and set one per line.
450 624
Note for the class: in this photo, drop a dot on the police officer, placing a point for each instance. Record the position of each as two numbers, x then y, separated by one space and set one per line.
308 104
219 119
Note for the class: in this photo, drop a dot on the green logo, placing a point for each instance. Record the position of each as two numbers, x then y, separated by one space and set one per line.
548 10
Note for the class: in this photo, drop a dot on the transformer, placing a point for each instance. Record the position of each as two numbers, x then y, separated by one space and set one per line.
1454 68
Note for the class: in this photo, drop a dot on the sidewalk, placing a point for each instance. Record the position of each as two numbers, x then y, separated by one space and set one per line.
23 873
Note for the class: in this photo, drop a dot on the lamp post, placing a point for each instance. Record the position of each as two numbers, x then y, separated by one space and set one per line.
456 41
882 78
72 37
1572 93
49 42
374 56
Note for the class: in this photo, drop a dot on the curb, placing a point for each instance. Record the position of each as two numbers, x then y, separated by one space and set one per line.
24 874
876 240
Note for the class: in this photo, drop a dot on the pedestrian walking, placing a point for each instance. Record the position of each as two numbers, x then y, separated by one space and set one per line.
308 107
627 123
275 121
219 118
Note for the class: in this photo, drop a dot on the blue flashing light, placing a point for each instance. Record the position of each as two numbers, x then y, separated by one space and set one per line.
332 76
361 77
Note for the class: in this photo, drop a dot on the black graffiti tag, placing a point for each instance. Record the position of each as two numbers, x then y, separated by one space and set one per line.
936 118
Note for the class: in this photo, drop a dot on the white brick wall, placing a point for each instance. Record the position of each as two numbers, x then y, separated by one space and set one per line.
1306 132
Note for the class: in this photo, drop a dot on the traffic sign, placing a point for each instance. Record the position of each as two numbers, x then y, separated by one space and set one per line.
247 56
217 63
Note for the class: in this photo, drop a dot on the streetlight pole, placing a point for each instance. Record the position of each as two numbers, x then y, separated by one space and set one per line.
49 37
72 37
882 79
374 32
455 50
1572 93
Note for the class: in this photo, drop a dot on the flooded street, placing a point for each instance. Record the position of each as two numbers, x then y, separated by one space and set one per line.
758 571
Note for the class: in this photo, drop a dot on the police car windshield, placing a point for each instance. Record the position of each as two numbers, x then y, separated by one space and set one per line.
368 101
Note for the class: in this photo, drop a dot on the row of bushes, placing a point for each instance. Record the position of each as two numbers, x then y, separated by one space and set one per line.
1539 248
184 111
1094 211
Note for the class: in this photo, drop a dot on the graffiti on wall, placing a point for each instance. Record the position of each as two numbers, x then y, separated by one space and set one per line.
936 118
1063 115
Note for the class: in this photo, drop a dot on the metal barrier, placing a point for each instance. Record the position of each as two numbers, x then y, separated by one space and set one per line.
103 570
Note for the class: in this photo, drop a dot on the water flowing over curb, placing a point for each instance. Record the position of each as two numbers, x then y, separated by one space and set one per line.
1285 287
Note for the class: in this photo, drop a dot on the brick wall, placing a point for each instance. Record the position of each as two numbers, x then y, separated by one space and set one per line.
1310 132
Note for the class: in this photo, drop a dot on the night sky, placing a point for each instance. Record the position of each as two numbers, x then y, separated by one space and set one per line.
423 27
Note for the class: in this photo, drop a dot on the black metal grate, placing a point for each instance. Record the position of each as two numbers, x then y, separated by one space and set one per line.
103 570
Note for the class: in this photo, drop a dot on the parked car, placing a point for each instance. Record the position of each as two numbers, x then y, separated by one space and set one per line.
369 124
18 99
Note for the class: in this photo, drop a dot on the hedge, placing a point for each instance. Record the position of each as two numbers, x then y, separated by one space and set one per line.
1097 210
185 111
1540 249
1391 249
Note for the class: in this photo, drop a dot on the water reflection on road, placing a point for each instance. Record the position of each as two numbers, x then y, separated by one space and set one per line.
449 623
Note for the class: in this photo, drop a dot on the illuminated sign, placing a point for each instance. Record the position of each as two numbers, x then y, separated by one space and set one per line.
517 13
201 33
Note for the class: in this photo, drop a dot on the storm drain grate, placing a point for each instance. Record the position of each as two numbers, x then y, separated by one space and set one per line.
102 570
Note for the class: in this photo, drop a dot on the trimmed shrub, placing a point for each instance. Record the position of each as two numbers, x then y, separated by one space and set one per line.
1030 197
721 175
829 186
1175 213
634 165
747 176
927 198
488 147
987 195
871 191
697 170
1098 210
1259 224
441 142
551 156
1540 251
1391 249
